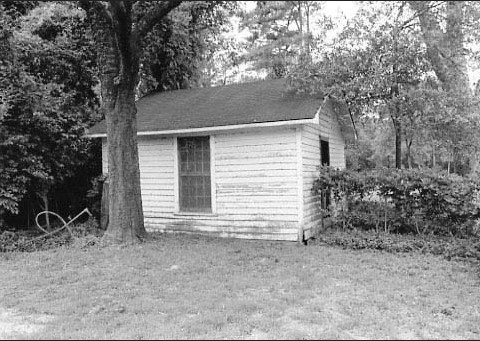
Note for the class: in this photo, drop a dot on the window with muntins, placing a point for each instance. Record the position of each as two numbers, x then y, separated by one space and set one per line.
194 174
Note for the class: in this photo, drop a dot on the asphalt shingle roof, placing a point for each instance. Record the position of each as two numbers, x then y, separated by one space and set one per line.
255 102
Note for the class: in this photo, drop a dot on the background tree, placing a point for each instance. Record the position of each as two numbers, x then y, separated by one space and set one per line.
380 65
281 34
177 51
447 28
374 65
445 47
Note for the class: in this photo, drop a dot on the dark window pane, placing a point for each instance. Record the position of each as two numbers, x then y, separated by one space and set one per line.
324 153
325 161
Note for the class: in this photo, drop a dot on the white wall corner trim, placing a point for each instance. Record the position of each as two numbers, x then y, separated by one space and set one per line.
299 183
176 194
213 184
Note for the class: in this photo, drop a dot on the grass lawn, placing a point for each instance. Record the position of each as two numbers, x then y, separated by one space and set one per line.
192 287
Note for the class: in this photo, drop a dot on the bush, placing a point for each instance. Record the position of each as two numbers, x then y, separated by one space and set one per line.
402 201
447 247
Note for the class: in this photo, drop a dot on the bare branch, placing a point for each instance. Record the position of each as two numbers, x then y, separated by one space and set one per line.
419 11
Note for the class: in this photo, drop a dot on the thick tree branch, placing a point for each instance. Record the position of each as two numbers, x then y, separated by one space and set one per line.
149 20
121 11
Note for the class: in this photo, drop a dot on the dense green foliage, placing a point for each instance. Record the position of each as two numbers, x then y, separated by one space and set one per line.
402 201
48 101
281 35
177 50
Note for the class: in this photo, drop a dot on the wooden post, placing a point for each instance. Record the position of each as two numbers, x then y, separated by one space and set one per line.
104 206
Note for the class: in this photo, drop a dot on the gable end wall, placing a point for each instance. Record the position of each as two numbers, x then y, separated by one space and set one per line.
329 130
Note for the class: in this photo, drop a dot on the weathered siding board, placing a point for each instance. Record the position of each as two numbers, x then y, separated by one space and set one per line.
256 167
252 170
242 235
256 229
215 219
156 174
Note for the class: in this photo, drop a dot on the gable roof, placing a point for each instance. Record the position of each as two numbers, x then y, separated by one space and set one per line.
234 104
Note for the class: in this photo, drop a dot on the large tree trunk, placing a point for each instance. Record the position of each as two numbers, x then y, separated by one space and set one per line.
397 123
118 59
124 197
458 70
398 144
302 36
408 153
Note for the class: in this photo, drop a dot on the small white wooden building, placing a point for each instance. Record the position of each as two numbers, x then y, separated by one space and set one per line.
233 161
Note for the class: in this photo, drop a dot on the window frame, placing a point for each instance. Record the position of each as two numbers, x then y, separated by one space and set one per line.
325 196
322 143
211 210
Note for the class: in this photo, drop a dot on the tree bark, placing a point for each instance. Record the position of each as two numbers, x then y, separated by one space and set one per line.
398 144
300 20
408 152
124 197
458 71
394 93
118 60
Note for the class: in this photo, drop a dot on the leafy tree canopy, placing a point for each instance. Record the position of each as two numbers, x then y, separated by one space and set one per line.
48 98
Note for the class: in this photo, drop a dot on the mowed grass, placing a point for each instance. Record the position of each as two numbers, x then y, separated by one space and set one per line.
192 287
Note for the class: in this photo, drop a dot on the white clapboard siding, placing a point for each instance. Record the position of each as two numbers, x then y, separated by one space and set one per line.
336 141
255 186
157 178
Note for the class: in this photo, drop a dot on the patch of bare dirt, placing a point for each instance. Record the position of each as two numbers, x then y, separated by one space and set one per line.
14 325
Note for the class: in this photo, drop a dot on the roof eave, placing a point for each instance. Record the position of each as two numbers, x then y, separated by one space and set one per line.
220 128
